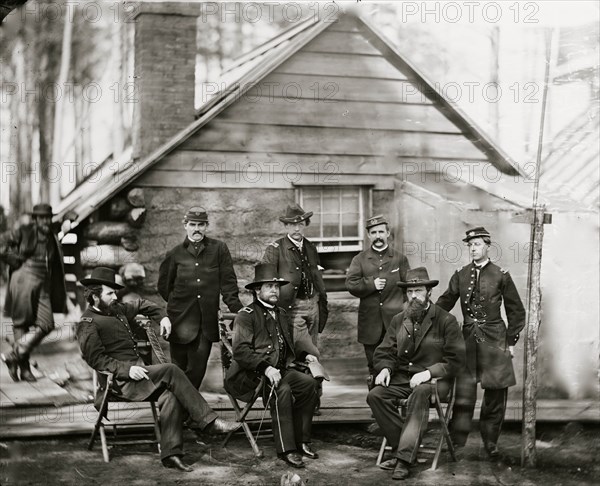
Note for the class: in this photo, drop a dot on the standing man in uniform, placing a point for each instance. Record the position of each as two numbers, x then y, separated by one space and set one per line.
296 259
373 276
190 280
36 287
107 338
481 287
263 346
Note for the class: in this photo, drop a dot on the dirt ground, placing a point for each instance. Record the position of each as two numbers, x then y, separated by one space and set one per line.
567 455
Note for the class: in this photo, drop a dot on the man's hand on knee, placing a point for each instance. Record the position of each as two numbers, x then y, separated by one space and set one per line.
138 373
383 378
418 378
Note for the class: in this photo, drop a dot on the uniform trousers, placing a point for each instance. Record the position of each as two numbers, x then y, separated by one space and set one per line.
491 417
292 406
370 351
405 436
305 319
193 357
177 399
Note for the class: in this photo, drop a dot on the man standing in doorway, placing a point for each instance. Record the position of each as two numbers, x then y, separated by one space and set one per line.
296 259
481 287
373 276
191 278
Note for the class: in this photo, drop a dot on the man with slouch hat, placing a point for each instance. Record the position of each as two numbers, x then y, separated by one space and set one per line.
297 261
422 342
36 287
482 286
107 337
191 278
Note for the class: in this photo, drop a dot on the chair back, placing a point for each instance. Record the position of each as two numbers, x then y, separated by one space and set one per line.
226 338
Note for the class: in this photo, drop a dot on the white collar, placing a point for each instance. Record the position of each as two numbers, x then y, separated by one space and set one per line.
268 306
479 266
378 250
298 244
194 242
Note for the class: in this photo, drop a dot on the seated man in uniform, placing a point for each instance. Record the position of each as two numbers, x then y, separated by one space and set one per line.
106 335
262 345
422 342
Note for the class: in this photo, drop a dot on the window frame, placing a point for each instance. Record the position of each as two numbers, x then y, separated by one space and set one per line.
332 244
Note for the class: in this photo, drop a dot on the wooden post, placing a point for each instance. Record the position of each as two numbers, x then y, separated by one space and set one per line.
534 306
528 451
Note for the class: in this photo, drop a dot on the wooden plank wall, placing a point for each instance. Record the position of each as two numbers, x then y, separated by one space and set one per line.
336 107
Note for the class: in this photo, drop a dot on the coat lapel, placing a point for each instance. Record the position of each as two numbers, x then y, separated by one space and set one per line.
426 325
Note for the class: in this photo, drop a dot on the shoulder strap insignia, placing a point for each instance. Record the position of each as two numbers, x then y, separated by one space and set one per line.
87 319
247 310
274 244
504 270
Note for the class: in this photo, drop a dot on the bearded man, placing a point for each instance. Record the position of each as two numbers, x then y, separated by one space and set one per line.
422 342
107 338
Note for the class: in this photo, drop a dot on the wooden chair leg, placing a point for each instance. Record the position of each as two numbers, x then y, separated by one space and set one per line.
445 431
156 425
94 434
381 451
238 413
104 444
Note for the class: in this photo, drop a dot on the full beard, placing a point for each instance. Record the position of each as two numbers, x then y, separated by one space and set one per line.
415 309
108 309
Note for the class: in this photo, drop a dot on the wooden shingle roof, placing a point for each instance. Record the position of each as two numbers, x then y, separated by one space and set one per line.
250 69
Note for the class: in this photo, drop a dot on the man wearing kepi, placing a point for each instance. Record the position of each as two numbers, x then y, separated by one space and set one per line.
373 277
191 278
422 342
262 345
107 338
297 261
36 288
481 287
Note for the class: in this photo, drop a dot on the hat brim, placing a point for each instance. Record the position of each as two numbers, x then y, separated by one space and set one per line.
304 217
49 215
259 283
424 283
481 235
99 281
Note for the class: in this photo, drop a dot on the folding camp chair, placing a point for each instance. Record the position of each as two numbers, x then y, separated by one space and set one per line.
226 334
443 418
104 390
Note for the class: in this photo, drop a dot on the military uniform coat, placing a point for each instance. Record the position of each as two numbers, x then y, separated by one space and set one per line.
109 343
255 348
486 335
286 257
439 347
377 307
15 248
187 278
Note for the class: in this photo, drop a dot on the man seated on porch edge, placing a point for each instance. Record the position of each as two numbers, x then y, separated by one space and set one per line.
106 335
263 345
422 342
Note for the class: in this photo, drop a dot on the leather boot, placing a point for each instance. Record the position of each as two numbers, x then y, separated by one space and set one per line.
21 351
12 363
26 374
